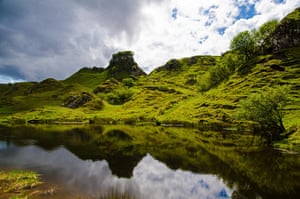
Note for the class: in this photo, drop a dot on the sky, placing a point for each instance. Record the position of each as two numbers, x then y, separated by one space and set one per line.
55 38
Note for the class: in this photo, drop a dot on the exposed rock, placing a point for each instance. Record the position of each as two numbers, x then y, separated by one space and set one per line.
171 65
122 65
76 101
286 35
193 60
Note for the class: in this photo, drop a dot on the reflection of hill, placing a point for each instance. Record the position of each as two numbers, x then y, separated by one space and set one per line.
274 174
150 179
241 160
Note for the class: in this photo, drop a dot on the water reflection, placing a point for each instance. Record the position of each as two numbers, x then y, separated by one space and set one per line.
213 164
156 180
151 179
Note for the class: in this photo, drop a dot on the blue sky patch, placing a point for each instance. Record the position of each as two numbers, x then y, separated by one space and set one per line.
279 1
221 31
246 12
174 13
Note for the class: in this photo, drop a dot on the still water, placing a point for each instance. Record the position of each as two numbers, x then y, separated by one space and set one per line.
150 162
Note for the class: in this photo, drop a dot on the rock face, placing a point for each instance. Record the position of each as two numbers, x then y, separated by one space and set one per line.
171 65
76 101
286 35
122 65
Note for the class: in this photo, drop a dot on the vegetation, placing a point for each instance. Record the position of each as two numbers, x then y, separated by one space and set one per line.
235 157
247 43
265 31
244 43
17 184
169 95
266 108
119 96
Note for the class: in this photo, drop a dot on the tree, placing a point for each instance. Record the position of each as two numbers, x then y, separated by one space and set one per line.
265 31
244 43
247 42
266 108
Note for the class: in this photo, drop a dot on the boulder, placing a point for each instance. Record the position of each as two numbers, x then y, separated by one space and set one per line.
76 101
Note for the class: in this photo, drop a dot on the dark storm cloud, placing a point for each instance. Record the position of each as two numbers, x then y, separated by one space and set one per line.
10 71
54 37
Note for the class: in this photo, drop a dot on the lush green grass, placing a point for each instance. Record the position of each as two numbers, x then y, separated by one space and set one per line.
88 78
170 94
18 184
164 95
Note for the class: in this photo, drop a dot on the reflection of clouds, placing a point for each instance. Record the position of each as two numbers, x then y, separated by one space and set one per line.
151 178
92 178
156 180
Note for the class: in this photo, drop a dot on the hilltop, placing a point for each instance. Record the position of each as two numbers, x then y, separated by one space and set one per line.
181 92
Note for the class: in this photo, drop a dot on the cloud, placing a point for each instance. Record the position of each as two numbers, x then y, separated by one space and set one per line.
8 79
150 179
55 38
155 179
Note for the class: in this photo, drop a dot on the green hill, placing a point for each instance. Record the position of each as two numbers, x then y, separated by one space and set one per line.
193 91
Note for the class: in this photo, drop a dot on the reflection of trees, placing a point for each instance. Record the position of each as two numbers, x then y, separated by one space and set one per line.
239 160
272 174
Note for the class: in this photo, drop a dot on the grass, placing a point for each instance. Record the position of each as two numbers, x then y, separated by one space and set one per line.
163 96
169 94
18 184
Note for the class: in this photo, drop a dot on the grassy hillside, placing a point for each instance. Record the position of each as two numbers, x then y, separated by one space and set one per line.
182 92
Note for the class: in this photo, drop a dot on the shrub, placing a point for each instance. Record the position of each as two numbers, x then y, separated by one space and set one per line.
119 96
244 43
129 82
213 77
266 108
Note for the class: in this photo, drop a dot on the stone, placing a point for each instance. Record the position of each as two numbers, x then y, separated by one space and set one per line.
76 101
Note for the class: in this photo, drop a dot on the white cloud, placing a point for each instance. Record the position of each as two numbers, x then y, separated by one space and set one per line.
151 179
155 179
162 38
57 40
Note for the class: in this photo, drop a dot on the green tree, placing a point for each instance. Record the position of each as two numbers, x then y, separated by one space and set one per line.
244 43
265 31
266 108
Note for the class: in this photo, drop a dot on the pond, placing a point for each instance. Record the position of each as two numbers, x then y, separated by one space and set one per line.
149 162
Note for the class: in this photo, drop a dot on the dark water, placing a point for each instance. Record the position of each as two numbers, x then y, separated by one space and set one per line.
150 162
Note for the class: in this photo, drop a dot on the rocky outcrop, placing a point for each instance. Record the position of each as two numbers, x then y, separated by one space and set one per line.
122 65
76 101
286 35
171 65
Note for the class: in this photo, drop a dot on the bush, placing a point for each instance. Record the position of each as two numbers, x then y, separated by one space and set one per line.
266 108
213 77
119 96
129 82
244 42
